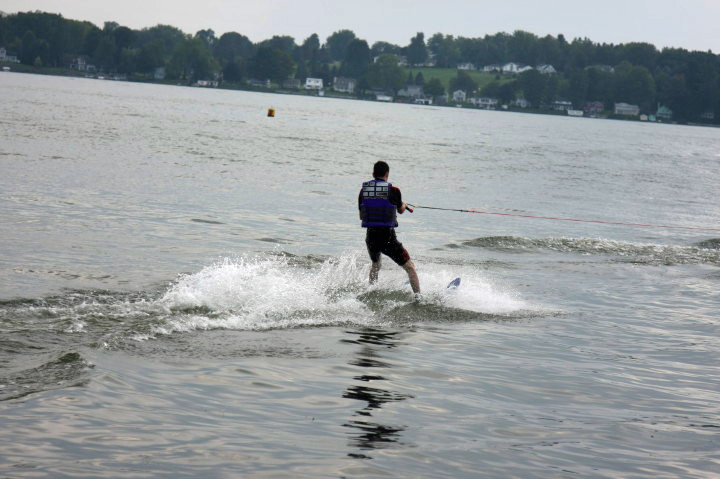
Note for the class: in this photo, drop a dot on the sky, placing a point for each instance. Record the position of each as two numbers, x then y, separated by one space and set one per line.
690 24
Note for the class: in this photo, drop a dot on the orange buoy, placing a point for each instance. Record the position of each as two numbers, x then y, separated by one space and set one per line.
271 112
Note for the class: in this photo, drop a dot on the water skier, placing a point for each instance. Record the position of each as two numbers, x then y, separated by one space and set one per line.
379 202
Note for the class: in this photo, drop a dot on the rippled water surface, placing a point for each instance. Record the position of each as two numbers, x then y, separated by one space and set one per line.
183 290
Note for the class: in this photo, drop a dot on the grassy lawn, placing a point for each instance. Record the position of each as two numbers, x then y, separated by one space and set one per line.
446 74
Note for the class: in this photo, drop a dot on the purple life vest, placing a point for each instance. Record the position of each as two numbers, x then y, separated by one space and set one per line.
375 207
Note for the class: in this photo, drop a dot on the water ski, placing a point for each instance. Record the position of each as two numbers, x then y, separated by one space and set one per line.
454 284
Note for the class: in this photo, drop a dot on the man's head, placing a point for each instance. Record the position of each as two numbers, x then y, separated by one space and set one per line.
380 170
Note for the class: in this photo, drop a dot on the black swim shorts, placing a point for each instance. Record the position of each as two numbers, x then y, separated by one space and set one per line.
383 241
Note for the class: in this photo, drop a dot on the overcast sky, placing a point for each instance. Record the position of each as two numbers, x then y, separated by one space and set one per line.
691 24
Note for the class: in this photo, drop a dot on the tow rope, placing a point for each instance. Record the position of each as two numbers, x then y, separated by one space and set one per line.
577 220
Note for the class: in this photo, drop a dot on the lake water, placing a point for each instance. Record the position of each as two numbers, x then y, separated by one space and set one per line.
183 290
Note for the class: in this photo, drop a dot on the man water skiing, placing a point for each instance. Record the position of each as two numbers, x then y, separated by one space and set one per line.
379 201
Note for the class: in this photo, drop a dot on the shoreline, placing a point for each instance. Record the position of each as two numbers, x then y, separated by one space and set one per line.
63 72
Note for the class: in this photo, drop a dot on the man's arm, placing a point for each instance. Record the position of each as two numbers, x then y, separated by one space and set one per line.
397 200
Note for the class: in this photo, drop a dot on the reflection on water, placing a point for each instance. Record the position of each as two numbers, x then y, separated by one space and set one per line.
369 434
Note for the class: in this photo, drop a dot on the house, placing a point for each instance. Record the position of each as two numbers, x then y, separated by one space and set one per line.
423 101
259 83
207 83
626 109
562 105
663 113
459 96
5 56
594 108
708 115
159 73
510 68
515 68
602 68
485 103
291 83
522 103
344 85
80 63
546 69
465 66
492 68
313 83
412 91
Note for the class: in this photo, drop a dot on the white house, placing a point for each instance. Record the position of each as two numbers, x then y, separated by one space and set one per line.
522 103
492 68
313 83
344 85
412 91
459 96
465 66
515 68
510 68
562 105
484 102
664 113
7 57
626 109
546 69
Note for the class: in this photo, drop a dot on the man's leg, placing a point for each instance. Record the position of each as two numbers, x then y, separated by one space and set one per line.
412 275
374 270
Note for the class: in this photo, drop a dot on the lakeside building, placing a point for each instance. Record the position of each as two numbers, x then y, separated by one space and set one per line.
313 83
594 108
291 83
663 113
626 109
459 96
6 56
412 91
259 83
513 68
484 103
562 105
344 85
546 69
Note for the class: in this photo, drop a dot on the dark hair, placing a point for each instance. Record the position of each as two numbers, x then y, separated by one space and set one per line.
380 169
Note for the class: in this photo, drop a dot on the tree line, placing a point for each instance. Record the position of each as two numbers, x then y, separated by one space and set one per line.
688 82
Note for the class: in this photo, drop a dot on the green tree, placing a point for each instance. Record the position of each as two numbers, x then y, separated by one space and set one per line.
635 84
104 55
508 92
271 63
234 71
434 87
150 57
578 87
357 59
283 43
232 46
378 48
208 37
386 74
463 81
191 61
445 49
417 51
533 84
338 42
